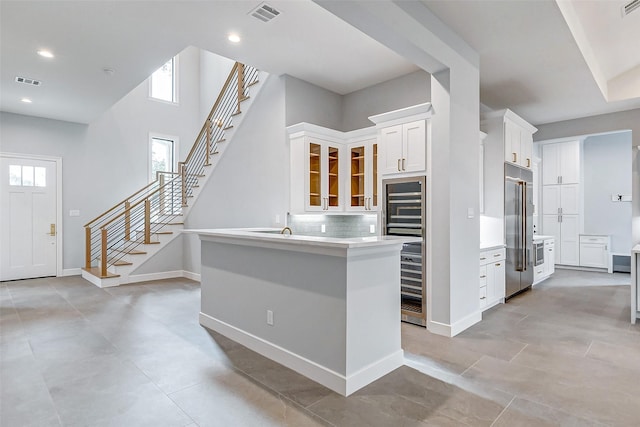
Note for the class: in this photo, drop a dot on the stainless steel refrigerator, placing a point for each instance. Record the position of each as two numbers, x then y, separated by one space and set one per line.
518 220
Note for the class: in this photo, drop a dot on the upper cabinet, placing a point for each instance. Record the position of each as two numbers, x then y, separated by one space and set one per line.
363 176
561 163
332 171
515 134
402 136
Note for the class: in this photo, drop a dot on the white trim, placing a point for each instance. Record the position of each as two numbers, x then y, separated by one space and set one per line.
71 272
345 385
174 84
191 275
135 278
414 112
450 331
59 225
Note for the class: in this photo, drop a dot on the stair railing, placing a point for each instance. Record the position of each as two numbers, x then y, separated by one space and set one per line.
130 223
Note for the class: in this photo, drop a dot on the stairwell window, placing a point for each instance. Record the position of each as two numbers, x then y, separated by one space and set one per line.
162 155
163 83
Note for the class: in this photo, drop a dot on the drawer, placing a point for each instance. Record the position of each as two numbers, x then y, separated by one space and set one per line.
549 242
487 257
483 275
483 295
594 239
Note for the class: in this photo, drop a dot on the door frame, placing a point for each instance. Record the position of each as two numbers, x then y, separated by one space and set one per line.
59 224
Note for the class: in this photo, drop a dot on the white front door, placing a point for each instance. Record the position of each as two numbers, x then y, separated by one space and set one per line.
28 218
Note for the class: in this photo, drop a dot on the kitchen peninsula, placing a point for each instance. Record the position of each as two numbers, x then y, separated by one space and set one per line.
325 307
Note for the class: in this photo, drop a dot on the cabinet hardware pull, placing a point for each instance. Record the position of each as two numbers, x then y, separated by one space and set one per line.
558 180
483 298
482 258
496 255
482 277
561 211
561 179
528 162
403 160
498 265
399 165
515 157
558 211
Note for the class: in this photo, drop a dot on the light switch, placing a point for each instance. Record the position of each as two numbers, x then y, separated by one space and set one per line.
470 213
74 212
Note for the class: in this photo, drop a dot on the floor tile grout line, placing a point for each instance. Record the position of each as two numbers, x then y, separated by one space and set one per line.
518 353
588 349
504 410
472 365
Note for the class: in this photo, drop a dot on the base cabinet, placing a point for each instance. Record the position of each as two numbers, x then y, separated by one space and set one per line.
492 277
548 267
594 251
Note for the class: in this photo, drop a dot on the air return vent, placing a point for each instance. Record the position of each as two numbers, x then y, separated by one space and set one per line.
630 7
266 13
28 81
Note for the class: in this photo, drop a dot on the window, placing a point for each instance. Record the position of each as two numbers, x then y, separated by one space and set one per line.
163 82
27 176
162 155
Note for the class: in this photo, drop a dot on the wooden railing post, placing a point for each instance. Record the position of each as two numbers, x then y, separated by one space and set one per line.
240 85
161 192
87 241
127 220
207 160
147 221
103 253
183 180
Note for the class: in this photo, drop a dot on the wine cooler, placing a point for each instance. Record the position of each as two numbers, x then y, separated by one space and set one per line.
404 215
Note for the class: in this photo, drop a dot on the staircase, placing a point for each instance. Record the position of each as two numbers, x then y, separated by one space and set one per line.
121 239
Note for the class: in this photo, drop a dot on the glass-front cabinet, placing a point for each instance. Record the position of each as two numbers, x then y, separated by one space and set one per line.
324 188
363 176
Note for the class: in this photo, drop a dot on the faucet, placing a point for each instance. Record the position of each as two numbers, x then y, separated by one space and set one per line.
285 229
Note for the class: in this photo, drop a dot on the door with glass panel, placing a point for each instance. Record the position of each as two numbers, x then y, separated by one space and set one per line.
28 243
363 177
323 181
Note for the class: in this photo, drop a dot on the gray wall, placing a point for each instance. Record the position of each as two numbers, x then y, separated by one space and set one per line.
626 120
607 171
306 102
250 185
107 160
404 91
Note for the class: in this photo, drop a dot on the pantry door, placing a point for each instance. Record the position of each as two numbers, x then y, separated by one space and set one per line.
28 218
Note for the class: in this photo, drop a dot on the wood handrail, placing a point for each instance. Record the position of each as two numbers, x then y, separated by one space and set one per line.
213 110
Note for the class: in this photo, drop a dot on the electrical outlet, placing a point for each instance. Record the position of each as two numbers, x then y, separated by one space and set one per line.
323 228
277 219
269 317
372 228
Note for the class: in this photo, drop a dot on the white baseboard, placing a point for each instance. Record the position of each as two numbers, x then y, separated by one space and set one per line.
321 374
190 275
448 330
71 272
135 278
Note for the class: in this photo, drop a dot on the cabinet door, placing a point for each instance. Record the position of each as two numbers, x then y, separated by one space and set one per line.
358 171
569 199
391 146
526 149
551 226
314 197
497 290
569 240
550 166
331 180
414 146
549 259
569 160
511 142
551 200
594 255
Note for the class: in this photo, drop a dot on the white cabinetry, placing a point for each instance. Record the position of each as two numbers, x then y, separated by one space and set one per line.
594 251
561 199
402 139
548 267
492 277
362 186
518 140
320 168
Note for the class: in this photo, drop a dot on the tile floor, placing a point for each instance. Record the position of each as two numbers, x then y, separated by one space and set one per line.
76 355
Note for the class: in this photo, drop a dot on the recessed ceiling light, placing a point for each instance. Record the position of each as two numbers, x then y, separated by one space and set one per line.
233 38
26 100
45 53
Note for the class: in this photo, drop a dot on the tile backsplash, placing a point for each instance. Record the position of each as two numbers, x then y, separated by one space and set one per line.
335 225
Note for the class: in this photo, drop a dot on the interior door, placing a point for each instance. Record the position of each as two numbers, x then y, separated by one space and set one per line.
28 218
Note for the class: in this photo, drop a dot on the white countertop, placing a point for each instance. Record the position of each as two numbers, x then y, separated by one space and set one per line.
491 245
636 249
272 235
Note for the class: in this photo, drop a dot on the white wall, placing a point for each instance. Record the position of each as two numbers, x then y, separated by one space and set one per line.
401 92
214 70
607 171
107 160
626 120
250 185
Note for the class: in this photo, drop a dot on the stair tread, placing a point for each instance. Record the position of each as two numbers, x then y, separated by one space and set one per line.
167 223
121 263
228 127
221 140
131 252
96 272
255 82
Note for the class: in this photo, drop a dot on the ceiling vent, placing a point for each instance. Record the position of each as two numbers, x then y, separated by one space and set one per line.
266 13
630 7
32 82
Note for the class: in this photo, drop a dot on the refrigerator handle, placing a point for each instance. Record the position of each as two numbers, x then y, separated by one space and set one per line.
524 226
519 236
